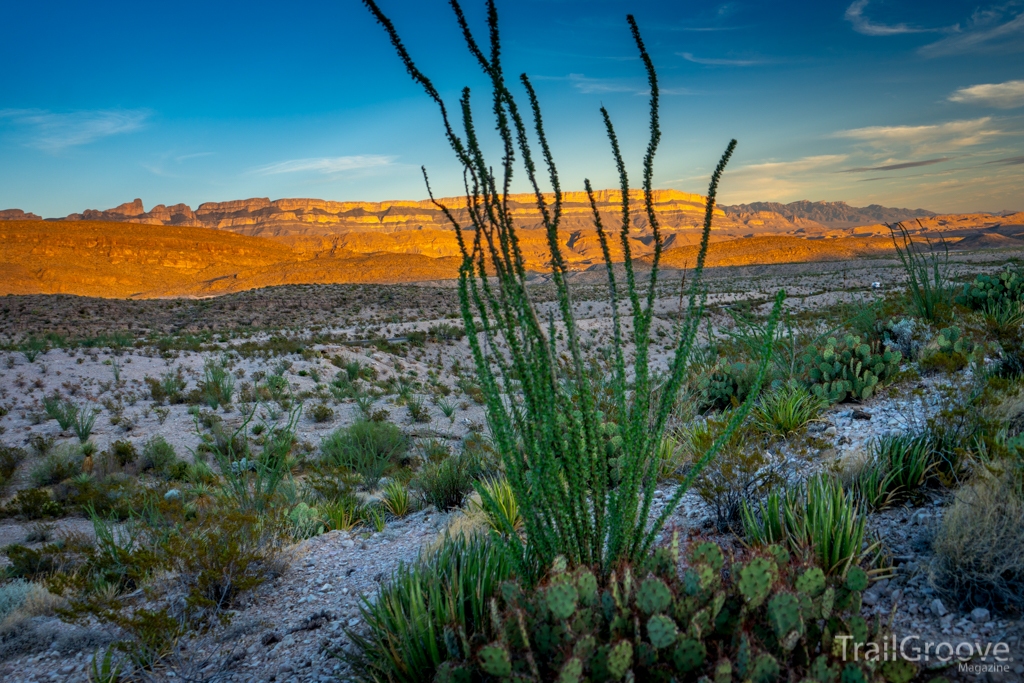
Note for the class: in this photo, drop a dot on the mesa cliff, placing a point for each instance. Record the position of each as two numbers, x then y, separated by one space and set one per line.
224 247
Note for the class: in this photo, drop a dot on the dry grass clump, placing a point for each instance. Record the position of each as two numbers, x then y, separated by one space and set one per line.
979 548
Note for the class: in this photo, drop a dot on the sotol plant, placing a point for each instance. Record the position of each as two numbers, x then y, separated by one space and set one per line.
584 477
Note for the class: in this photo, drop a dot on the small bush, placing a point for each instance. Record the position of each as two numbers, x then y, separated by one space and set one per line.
63 411
396 499
63 462
786 410
742 471
33 504
409 621
124 453
948 352
322 412
19 595
10 458
900 335
159 457
726 385
897 466
85 419
417 409
217 385
446 484
371 449
341 514
979 549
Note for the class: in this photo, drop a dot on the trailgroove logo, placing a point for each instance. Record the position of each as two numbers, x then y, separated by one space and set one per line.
994 657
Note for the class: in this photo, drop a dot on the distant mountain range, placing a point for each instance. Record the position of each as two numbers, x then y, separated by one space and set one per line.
831 214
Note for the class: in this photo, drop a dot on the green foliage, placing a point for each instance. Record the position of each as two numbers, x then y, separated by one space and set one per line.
990 291
84 420
33 504
446 483
764 617
159 457
32 347
10 458
949 351
504 514
928 286
818 517
217 385
726 385
170 387
787 409
396 499
124 452
583 477
848 369
322 412
425 609
63 462
371 449
61 410
743 470
897 466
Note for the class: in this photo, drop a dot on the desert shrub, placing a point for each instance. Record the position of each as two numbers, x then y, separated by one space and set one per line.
446 332
928 284
32 347
10 458
986 291
787 409
726 385
446 483
423 607
818 517
897 466
846 368
159 457
322 412
979 549
761 618
743 470
306 521
61 410
124 452
85 419
63 462
371 449
900 335
16 593
341 513
597 514
217 385
417 409
33 504
949 351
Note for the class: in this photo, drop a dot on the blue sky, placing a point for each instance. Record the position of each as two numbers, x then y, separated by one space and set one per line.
875 101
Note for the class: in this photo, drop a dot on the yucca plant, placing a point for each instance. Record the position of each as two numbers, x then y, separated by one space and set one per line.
83 422
787 409
897 466
583 477
396 498
501 492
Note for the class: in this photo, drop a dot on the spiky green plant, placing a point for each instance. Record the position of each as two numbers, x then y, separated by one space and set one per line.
787 409
928 285
583 477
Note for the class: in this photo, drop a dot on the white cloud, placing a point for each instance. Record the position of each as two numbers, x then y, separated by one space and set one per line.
710 61
861 24
990 30
326 165
795 166
53 132
590 86
951 134
1000 95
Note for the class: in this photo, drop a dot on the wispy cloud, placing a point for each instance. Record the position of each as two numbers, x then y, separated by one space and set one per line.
861 24
711 61
895 167
952 134
1008 161
53 132
590 86
1000 95
326 165
795 166
996 29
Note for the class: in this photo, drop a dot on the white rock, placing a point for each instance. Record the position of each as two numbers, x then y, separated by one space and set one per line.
938 609
979 615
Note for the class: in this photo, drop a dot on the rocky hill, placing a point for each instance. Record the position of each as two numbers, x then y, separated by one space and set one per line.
830 214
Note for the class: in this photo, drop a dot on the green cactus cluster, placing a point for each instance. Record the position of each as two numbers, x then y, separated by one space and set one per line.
727 385
993 290
949 351
848 368
760 617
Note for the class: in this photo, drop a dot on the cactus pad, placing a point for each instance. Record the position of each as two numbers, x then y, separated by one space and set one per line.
661 631
561 599
764 669
689 655
756 579
653 596
494 660
620 658
784 615
571 671
899 670
856 579
586 587
708 553
811 582
723 672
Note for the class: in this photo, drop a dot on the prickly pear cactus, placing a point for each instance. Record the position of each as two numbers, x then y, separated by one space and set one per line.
949 351
726 385
993 290
760 617
848 369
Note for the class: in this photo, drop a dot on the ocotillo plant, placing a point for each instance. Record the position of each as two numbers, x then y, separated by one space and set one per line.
584 477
